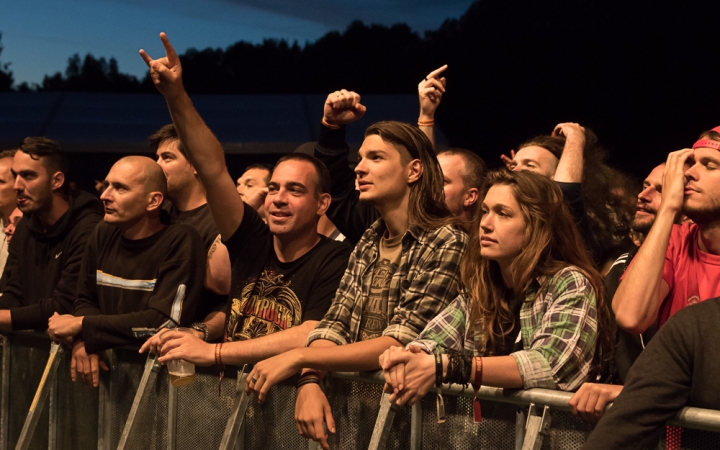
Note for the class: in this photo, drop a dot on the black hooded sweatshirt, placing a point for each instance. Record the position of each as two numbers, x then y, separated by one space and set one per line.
43 266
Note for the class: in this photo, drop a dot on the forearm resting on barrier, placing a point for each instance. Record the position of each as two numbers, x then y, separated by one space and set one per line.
176 345
410 373
359 356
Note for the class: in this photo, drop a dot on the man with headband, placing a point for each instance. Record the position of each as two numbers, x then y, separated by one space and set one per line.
656 287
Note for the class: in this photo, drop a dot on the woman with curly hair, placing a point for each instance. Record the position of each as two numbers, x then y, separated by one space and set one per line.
532 312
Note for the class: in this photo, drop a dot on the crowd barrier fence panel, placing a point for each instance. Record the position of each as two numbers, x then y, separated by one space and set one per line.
77 417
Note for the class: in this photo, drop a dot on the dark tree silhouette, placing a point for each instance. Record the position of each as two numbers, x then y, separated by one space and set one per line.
91 75
643 77
6 75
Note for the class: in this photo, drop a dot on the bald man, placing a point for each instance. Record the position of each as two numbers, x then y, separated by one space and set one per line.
131 270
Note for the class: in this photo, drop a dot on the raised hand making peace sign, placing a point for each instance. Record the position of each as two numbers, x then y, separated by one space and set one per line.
165 72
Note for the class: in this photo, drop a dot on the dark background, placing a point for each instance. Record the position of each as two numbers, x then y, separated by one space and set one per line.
643 75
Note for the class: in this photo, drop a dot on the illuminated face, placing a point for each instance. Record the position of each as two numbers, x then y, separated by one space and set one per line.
648 200
291 206
10 227
536 159
382 178
125 198
702 186
250 184
178 170
33 184
8 197
502 225
453 184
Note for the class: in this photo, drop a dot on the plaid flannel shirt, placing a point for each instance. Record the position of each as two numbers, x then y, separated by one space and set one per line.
424 283
558 326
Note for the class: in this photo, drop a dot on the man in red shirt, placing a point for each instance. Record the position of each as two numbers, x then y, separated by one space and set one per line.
678 265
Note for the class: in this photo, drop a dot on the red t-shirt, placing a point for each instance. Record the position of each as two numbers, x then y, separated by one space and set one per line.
692 274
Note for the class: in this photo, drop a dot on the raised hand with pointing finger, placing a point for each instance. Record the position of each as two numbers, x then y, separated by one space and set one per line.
166 72
430 92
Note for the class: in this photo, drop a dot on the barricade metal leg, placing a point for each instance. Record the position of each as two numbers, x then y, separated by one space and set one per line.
172 417
538 423
4 391
240 443
52 416
105 403
383 424
152 367
416 426
520 421
237 415
41 396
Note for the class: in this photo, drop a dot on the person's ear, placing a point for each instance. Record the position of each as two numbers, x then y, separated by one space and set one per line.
470 197
415 171
155 200
57 180
323 204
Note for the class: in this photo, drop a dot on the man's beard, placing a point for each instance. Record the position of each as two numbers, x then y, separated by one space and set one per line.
642 226
703 215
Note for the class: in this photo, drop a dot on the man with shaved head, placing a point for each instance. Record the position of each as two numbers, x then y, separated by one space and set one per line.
131 270
43 264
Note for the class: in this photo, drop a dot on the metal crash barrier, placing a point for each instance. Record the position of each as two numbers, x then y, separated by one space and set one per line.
73 416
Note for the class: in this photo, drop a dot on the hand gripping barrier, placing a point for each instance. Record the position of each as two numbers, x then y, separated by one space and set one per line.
77 417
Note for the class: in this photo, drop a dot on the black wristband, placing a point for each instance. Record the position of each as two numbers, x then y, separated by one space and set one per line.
459 367
438 368
306 380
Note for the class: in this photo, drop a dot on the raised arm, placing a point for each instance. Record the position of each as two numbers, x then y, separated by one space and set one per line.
350 216
570 166
642 290
430 92
203 149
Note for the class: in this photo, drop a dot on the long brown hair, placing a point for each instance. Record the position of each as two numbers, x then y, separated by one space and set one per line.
426 207
604 194
551 243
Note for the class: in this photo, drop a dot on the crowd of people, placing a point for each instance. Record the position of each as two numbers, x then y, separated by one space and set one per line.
554 272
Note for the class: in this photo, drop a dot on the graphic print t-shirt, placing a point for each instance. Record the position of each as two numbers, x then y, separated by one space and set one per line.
268 295
375 314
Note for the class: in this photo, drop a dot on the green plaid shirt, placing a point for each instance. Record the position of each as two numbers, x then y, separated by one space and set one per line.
423 284
558 328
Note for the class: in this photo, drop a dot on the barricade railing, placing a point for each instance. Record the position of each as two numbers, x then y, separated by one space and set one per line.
199 416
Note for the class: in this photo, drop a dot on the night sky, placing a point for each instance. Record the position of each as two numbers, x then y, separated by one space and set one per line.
40 35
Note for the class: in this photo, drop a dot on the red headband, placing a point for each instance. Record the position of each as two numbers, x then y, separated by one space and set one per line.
708 143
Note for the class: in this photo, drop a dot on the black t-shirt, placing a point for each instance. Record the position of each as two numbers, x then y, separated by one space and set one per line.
268 295
628 346
199 218
202 221
133 283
